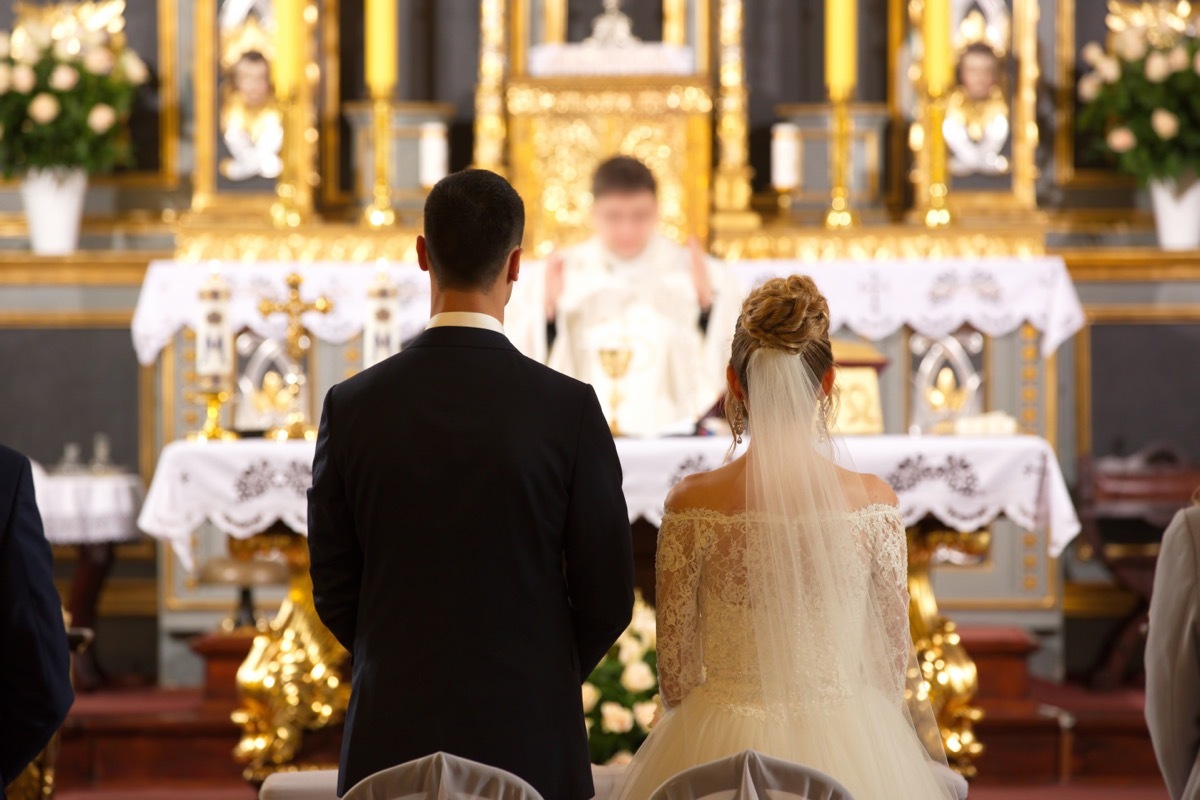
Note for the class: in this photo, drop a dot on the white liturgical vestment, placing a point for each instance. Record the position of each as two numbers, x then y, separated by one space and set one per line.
646 306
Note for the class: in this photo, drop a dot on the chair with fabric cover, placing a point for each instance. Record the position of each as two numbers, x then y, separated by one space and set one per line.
442 777
310 784
751 776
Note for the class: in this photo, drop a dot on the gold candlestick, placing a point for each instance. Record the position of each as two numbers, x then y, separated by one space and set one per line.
289 210
296 426
212 431
615 360
840 215
937 214
380 213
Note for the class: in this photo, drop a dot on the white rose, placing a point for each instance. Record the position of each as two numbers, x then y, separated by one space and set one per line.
630 649
1121 140
1165 124
587 724
101 118
1092 53
38 33
64 78
638 677
1179 59
43 109
1109 69
621 759
23 78
615 718
591 696
134 68
1158 68
645 625
67 48
5 44
644 714
1131 44
1089 87
99 61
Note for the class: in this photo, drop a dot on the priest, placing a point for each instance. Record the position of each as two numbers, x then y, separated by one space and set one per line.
643 319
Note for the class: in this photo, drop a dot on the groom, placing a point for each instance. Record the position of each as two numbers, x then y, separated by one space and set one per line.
469 538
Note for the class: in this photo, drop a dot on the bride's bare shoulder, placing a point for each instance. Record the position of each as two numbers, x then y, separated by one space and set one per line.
864 490
715 490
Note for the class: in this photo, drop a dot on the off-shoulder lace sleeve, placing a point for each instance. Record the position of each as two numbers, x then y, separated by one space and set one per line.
889 573
680 556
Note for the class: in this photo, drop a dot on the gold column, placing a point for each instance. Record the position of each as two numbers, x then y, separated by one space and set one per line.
936 34
675 22
490 124
841 76
380 34
731 185
554 21
293 193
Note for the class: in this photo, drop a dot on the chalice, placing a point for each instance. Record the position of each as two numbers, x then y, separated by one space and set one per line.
615 360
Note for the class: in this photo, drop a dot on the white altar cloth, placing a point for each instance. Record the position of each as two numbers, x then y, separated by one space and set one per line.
88 508
245 487
872 298
935 298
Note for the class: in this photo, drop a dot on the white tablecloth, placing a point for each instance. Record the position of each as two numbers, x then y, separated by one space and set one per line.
872 298
995 296
88 508
244 487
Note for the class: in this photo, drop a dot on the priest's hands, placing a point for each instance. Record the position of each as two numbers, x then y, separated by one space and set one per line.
554 284
700 276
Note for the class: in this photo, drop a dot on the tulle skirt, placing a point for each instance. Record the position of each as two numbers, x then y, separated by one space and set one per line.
869 747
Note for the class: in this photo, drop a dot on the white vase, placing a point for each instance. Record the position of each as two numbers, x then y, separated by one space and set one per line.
1176 213
53 207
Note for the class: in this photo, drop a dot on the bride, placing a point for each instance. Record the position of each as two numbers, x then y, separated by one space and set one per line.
782 599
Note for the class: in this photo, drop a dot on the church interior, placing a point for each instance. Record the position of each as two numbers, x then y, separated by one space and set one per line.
210 217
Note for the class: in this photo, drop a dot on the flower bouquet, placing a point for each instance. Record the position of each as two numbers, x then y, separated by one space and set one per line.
66 88
620 698
1140 102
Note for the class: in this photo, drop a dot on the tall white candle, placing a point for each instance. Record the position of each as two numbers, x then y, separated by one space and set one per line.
434 154
214 332
785 156
381 328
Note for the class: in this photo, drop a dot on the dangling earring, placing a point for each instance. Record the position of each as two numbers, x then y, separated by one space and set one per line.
737 420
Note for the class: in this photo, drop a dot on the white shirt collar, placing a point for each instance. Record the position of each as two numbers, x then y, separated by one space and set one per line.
465 319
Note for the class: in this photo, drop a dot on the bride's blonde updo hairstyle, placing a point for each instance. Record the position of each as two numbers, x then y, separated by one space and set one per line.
788 314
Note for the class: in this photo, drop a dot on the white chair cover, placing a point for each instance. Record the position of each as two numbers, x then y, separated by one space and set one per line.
751 776
315 784
442 777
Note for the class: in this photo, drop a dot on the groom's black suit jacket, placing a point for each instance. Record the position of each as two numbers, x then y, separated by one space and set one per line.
471 549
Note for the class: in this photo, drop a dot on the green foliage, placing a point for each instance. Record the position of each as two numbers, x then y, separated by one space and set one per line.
1129 103
90 105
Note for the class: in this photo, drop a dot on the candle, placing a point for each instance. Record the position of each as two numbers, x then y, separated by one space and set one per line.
936 32
434 156
381 328
381 46
785 156
214 334
289 43
841 48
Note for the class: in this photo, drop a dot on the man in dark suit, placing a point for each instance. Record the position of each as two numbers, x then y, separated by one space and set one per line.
469 537
35 665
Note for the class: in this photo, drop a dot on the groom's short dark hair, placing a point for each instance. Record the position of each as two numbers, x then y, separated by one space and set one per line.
473 219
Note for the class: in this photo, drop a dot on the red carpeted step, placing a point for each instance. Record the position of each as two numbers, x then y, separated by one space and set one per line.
1001 657
1023 743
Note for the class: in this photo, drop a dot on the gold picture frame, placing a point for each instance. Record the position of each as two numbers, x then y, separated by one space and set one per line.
1008 182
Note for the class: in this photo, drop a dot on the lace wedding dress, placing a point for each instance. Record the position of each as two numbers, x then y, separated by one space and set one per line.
784 628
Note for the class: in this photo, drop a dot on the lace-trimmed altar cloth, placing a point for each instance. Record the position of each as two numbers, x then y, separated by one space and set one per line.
992 295
88 508
244 487
966 482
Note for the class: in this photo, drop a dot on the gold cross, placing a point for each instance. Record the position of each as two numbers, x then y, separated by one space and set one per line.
294 308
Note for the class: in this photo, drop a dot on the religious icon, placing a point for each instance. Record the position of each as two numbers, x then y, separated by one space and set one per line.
251 123
977 125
